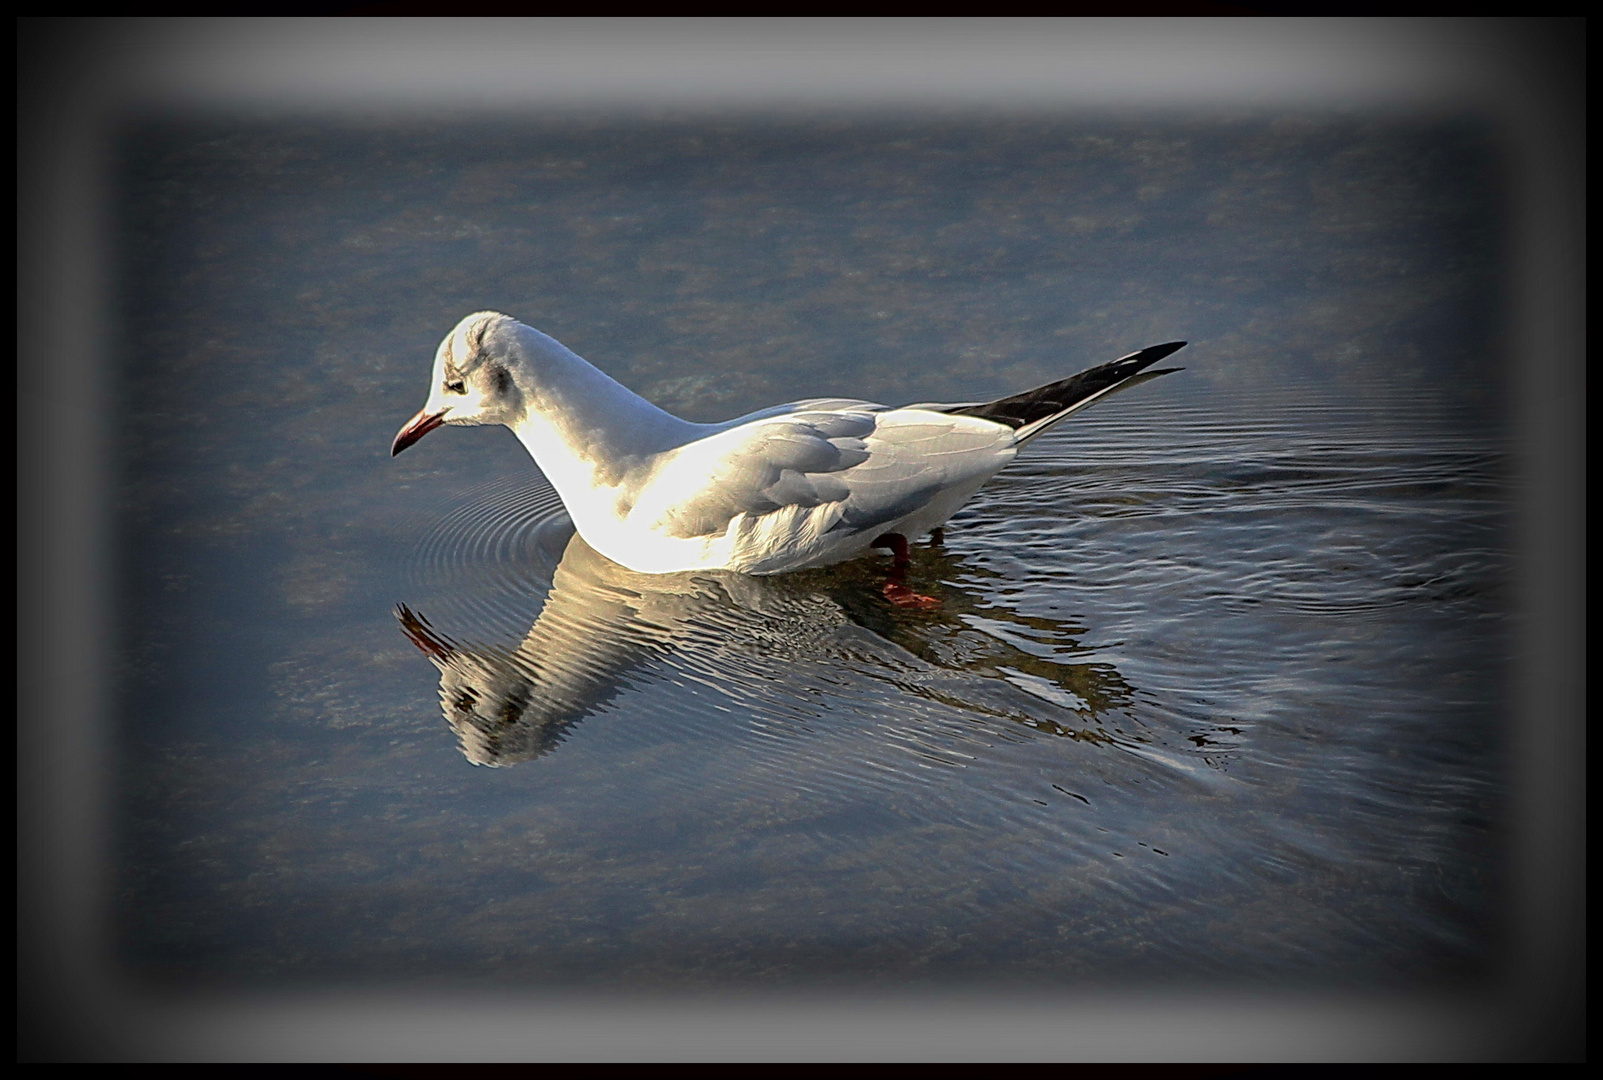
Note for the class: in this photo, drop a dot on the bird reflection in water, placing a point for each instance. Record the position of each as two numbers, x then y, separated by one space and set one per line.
604 626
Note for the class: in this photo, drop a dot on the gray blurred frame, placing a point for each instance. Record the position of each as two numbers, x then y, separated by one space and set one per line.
1526 76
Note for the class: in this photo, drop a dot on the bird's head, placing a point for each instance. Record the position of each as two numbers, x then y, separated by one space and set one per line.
473 379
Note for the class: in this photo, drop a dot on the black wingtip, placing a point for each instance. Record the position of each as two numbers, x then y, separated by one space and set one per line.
1153 353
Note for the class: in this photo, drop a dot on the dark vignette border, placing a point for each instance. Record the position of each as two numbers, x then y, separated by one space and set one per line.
73 1007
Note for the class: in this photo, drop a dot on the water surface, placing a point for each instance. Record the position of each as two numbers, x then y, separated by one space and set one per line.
1215 692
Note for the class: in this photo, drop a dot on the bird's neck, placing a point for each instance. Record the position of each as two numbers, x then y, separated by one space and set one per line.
586 431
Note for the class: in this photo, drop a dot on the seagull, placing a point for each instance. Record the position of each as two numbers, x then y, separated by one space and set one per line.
787 488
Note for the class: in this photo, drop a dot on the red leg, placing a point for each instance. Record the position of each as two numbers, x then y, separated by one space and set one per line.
900 552
896 590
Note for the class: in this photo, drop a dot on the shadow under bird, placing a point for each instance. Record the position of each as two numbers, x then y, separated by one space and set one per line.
787 488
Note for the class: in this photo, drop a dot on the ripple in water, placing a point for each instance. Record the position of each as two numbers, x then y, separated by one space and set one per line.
1173 658
533 632
487 560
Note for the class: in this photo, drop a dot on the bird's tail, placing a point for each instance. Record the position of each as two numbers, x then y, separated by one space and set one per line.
1033 411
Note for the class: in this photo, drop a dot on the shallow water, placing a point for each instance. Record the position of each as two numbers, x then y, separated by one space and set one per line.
1215 692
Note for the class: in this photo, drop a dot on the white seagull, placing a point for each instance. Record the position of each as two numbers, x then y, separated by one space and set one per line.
787 488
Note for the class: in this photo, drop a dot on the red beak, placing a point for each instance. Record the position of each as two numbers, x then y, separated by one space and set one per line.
414 429
418 631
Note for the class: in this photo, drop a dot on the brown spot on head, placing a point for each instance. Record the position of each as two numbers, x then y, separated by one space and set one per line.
462 351
448 362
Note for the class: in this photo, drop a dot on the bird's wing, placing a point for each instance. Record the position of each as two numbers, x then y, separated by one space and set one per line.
851 468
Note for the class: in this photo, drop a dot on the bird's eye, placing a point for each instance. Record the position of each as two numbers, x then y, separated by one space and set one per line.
457 387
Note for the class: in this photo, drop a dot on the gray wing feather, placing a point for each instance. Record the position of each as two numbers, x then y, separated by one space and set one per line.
870 465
